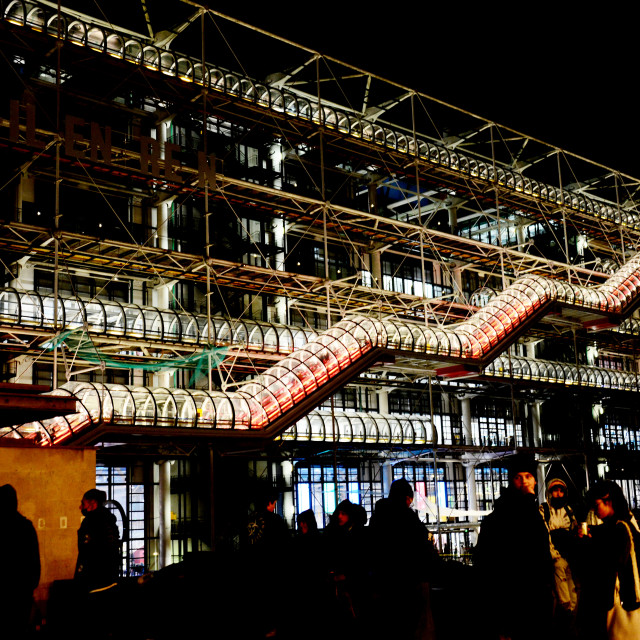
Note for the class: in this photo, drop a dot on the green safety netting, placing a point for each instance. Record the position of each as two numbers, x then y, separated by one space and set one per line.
80 346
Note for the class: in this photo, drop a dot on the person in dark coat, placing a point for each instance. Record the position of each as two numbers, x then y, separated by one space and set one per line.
20 566
310 598
513 558
406 562
343 535
97 567
268 550
267 531
346 558
605 554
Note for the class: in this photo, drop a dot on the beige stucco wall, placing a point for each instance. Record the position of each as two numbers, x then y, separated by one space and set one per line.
50 483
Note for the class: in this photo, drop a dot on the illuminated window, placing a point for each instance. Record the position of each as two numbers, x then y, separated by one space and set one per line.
451 492
118 484
631 490
489 483
318 488
492 425
352 398
618 430
406 277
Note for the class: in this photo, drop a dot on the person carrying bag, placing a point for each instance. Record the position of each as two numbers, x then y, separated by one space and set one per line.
623 620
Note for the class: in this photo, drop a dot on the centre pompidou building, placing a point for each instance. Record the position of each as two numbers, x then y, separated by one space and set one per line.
229 258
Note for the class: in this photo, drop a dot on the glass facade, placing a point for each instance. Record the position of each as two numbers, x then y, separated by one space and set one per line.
330 263
489 482
126 499
321 488
187 70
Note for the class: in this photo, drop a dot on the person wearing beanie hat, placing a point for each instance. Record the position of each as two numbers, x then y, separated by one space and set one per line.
513 559
557 512
562 524
522 463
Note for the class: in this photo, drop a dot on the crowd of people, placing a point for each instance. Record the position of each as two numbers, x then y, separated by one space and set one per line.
326 582
558 570
563 569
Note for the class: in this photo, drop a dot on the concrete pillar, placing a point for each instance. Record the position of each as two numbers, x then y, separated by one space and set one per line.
23 373
531 349
602 469
386 471
288 511
535 418
25 273
446 403
163 209
437 273
275 155
465 409
256 307
366 276
456 282
160 299
163 218
280 312
383 401
376 269
161 295
163 380
453 219
164 528
470 475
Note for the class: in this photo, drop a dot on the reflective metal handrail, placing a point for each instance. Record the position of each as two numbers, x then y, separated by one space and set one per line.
133 322
353 427
141 407
520 368
189 70
472 339
258 403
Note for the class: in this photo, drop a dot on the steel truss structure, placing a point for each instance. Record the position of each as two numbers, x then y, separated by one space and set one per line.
172 192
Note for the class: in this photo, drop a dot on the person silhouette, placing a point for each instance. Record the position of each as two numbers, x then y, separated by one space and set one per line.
97 567
20 566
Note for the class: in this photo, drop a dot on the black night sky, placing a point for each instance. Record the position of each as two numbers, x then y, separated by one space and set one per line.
559 72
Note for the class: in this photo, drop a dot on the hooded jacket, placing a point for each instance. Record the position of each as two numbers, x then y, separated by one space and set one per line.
557 515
